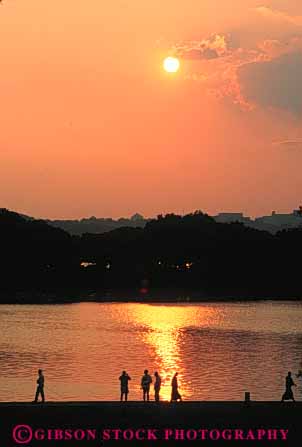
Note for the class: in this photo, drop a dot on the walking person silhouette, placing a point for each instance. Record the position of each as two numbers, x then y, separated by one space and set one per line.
175 396
40 387
145 384
124 379
157 385
289 383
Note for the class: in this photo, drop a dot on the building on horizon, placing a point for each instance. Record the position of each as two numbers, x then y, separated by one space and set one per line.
281 220
232 217
272 223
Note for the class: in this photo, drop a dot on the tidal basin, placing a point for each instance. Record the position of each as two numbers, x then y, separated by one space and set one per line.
220 350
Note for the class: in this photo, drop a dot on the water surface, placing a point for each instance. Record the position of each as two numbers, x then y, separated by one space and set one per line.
220 350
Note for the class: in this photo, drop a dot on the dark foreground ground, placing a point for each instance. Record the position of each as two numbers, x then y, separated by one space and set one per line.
95 422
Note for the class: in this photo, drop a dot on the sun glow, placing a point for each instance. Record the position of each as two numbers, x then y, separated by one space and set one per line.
171 64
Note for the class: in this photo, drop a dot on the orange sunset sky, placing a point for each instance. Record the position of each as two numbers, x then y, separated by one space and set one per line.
92 125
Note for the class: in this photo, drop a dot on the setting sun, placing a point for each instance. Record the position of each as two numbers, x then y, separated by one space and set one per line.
171 64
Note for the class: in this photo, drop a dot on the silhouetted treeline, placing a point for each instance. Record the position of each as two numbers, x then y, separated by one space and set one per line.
190 256
97 225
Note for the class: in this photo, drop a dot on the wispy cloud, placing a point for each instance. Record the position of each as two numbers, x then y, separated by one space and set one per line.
272 48
294 144
277 15
211 48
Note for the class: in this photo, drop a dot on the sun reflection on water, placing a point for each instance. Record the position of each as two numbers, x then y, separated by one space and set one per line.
165 324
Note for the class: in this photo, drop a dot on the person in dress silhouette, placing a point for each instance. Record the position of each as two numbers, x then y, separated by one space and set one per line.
175 396
145 384
124 379
289 383
40 387
157 385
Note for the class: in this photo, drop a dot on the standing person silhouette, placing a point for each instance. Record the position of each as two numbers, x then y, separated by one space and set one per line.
175 396
145 384
157 385
40 387
124 379
289 383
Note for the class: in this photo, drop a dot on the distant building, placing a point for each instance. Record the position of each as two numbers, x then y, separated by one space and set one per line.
282 221
298 212
137 217
232 217
273 223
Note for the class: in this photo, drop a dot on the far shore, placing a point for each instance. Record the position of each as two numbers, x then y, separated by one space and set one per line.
130 296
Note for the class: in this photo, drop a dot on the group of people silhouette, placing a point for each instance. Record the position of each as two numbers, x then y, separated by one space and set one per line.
146 383
145 386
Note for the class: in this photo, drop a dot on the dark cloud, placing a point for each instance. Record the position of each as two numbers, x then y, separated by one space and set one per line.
275 83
